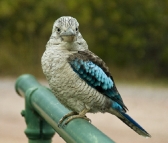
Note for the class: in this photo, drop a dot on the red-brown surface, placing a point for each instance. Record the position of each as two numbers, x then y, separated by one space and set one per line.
148 105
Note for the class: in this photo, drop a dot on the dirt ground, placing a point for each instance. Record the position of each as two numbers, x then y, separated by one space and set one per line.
147 104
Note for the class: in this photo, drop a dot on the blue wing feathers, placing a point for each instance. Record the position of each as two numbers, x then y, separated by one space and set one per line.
94 71
116 106
93 74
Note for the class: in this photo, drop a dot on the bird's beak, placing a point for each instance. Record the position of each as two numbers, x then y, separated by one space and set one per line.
68 35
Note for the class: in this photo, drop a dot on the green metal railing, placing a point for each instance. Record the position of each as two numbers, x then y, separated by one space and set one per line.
43 112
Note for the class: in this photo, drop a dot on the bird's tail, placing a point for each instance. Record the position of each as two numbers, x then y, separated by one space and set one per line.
132 124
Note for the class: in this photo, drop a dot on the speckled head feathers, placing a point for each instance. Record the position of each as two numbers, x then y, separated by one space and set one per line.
65 22
66 31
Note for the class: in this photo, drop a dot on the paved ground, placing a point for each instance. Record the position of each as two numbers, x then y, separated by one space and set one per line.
147 104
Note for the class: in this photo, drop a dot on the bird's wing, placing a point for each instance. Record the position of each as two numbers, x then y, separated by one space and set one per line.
93 70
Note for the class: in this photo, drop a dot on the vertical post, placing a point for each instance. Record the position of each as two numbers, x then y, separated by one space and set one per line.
38 130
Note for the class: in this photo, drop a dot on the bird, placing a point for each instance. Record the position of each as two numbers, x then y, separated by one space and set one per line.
80 79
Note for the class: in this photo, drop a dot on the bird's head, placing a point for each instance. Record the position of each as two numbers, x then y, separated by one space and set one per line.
67 28
66 32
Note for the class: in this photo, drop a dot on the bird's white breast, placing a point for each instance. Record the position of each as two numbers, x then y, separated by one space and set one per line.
67 86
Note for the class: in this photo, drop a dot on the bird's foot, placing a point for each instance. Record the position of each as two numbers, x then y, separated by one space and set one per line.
66 116
73 115
76 116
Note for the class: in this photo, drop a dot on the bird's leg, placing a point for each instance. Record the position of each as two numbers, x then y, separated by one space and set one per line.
66 116
80 115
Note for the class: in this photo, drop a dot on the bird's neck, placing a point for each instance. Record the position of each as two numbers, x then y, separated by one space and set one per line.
78 45
70 46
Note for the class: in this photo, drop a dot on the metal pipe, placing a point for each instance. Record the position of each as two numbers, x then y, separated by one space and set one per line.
48 107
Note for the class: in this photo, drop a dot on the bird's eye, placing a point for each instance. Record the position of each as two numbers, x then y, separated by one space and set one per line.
76 28
58 30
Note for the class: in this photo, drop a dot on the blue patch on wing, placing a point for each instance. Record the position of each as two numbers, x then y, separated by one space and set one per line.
93 75
117 106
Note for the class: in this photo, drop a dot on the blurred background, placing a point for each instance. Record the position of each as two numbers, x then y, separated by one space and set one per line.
130 36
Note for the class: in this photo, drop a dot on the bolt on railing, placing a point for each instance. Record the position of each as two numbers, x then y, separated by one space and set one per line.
43 112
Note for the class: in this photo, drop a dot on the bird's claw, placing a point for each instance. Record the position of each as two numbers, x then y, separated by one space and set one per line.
64 117
71 118
86 118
